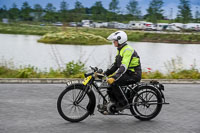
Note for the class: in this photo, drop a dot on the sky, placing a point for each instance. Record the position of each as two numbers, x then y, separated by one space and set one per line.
169 5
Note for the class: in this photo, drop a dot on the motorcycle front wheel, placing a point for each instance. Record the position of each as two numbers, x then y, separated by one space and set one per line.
72 103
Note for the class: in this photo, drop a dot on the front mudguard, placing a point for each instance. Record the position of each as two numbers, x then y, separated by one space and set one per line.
92 103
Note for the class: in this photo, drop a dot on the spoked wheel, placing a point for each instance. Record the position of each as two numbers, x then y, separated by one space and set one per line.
72 104
147 103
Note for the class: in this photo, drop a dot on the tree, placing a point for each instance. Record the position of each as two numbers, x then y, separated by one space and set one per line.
155 11
197 15
63 6
79 8
14 12
63 11
98 11
78 5
133 9
79 11
4 12
25 12
50 12
50 8
98 8
38 11
184 12
113 6
4 7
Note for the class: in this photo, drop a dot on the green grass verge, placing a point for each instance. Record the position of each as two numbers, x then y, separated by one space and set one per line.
77 70
72 70
32 72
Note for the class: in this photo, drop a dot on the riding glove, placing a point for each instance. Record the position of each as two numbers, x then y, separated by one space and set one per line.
110 80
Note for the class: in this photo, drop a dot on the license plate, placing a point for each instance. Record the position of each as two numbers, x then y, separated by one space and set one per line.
86 80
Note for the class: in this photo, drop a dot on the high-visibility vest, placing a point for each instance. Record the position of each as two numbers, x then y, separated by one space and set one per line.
128 57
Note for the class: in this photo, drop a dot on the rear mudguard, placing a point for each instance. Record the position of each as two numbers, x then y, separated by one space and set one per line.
159 86
149 85
155 84
92 103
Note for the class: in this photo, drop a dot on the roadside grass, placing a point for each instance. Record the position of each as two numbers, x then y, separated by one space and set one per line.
175 70
72 70
77 70
182 74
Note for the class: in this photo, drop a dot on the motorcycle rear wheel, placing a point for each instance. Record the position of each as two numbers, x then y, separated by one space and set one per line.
146 103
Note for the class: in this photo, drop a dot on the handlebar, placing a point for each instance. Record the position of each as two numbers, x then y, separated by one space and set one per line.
95 69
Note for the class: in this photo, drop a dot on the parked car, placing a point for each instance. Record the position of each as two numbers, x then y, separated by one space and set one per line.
172 28
58 24
72 24
42 24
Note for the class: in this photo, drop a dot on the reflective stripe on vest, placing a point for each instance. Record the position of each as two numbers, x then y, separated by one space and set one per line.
133 62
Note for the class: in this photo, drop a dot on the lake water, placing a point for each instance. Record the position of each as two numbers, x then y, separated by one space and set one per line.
24 50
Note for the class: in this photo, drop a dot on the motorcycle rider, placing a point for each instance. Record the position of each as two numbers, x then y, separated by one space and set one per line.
125 70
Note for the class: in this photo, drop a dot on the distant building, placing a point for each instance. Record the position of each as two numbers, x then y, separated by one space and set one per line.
5 21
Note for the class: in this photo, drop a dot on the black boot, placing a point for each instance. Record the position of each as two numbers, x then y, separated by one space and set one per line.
111 95
120 96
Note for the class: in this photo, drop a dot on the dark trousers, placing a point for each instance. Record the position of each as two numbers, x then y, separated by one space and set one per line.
115 92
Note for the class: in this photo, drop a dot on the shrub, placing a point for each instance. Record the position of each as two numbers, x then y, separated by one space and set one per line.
28 72
74 70
153 75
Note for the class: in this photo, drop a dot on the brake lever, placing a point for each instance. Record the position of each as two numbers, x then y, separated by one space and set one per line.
94 68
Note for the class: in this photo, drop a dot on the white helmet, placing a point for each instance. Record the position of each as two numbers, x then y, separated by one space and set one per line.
119 36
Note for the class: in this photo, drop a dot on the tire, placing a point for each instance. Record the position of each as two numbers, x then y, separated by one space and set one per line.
67 107
146 97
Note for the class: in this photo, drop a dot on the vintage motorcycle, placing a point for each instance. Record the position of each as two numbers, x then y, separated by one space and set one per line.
78 100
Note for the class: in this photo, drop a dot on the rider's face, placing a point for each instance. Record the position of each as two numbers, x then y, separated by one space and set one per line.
115 43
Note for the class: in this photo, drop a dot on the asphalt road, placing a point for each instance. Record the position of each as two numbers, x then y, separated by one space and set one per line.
31 108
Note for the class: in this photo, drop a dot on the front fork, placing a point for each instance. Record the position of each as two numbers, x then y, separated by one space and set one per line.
81 95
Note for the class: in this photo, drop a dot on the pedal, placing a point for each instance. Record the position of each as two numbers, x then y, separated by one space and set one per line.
106 113
101 108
